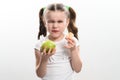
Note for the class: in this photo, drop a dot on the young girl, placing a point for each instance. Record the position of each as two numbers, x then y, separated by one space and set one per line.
61 62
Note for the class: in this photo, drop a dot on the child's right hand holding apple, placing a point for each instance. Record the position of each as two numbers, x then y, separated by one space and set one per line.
48 48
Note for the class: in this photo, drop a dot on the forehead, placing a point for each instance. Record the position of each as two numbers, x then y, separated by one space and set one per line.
55 15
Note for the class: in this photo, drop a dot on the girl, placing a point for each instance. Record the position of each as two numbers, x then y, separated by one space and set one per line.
61 62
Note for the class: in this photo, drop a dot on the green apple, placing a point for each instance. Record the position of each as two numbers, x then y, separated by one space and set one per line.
48 44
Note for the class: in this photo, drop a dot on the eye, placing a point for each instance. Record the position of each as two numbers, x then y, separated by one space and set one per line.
50 21
60 21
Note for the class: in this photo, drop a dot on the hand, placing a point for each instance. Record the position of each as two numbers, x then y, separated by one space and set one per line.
47 54
71 43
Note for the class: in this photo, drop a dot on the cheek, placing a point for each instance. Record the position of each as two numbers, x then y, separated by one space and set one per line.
48 27
63 27
66 23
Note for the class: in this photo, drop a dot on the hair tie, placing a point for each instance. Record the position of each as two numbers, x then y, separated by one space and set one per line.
67 7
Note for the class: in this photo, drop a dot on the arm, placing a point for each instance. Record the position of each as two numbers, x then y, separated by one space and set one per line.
41 61
40 64
75 56
75 59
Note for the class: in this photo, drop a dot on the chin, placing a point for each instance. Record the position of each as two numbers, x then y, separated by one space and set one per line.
55 36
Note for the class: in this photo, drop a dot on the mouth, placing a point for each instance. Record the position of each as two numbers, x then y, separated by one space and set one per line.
55 31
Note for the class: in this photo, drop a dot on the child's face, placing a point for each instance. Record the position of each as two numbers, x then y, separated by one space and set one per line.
56 22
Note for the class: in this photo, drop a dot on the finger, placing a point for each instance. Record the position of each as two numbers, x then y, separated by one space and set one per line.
53 51
44 51
71 39
41 49
69 45
49 51
70 42
66 37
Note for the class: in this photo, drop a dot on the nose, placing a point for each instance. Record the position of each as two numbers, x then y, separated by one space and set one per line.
55 25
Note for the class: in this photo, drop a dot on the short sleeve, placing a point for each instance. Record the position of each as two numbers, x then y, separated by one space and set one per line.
39 43
77 41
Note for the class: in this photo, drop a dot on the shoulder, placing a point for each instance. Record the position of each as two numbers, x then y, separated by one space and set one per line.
39 42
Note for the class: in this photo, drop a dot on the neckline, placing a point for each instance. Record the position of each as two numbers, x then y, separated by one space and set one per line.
58 40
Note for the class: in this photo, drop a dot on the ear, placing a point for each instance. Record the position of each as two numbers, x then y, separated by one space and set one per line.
67 21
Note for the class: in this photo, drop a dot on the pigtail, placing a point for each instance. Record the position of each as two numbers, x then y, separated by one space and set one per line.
72 27
42 29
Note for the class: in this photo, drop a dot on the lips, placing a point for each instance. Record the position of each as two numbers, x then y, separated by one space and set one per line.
55 31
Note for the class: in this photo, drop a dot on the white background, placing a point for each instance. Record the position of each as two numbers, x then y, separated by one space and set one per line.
99 31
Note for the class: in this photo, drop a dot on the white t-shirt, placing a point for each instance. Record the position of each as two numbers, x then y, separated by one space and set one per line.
58 67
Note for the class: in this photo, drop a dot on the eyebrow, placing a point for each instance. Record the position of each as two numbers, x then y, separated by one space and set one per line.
56 21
